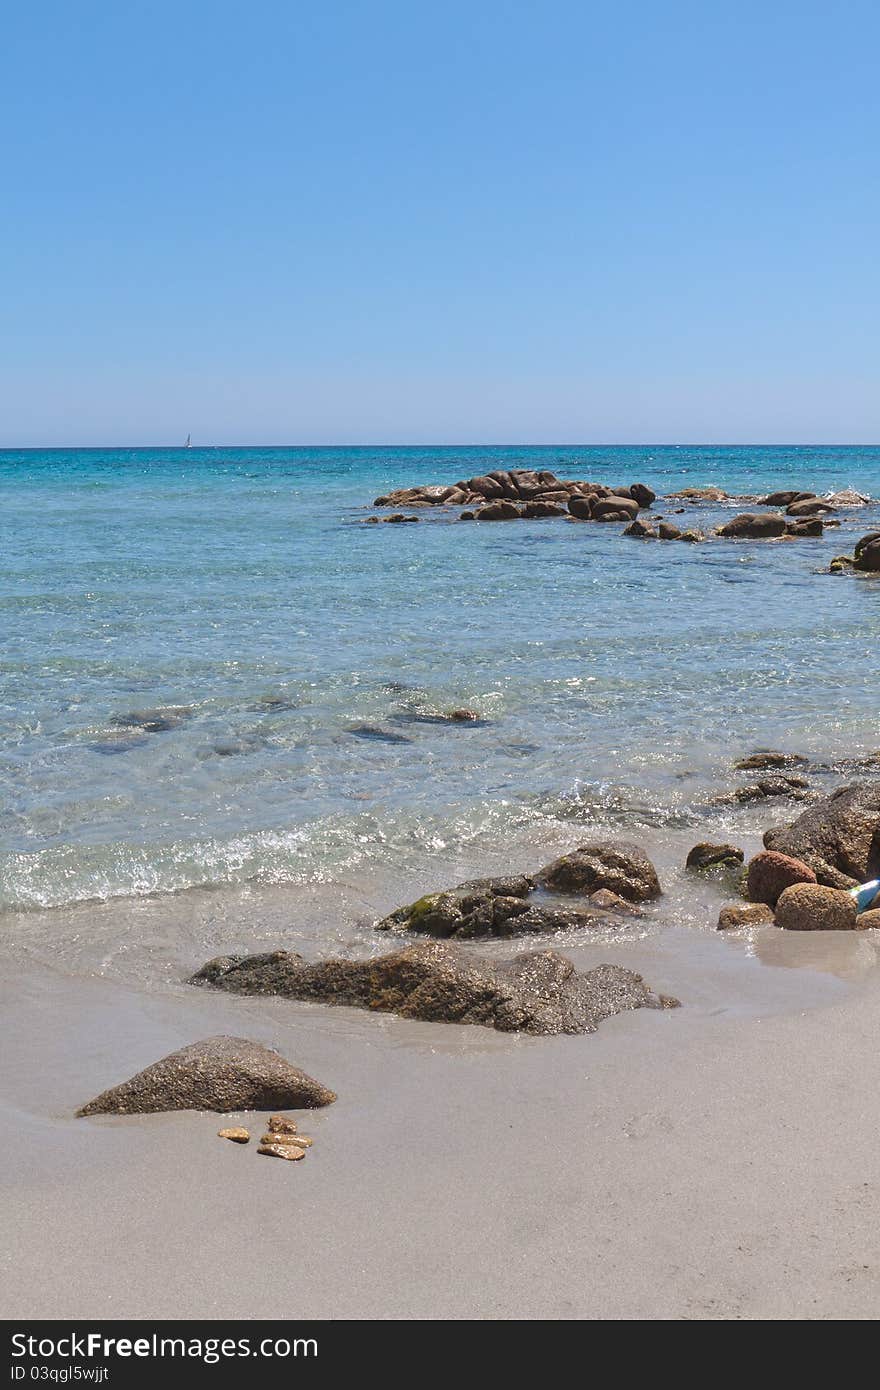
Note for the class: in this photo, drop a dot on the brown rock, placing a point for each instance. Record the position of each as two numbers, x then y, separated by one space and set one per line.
869 921
300 1141
612 506
808 506
607 901
867 552
667 532
753 526
581 507
499 511
744 915
708 856
766 757
639 529
813 907
771 873
288 1151
280 1124
219 1073
624 868
236 1134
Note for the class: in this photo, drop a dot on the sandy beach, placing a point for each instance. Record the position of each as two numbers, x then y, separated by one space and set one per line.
718 1161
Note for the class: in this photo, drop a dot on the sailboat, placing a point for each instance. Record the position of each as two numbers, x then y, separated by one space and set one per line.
188 444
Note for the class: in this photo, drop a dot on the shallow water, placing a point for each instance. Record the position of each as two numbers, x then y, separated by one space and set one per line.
193 644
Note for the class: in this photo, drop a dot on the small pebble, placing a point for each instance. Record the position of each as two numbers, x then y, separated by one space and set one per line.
302 1140
289 1151
236 1134
280 1124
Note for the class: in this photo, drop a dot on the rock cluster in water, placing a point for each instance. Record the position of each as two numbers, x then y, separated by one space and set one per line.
803 876
865 556
525 492
540 992
609 877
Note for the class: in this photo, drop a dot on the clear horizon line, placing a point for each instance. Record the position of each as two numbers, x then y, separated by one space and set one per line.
461 444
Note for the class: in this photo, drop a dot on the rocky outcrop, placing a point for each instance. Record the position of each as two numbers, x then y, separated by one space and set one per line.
813 907
744 915
531 492
838 837
540 992
771 873
753 526
709 856
219 1073
498 907
625 869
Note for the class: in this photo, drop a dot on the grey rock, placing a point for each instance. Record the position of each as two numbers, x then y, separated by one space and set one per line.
838 837
540 992
221 1073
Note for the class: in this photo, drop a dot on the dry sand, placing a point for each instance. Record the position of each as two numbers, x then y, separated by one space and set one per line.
719 1161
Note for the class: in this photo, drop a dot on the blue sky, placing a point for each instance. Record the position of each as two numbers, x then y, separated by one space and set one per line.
380 223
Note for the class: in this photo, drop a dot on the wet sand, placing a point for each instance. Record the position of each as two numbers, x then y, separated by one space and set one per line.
716 1162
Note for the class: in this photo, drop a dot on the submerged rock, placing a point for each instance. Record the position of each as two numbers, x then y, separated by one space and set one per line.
623 868
153 721
221 1073
813 907
709 856
770 873
376 734
766 757
744 915
539 992
838 837
700 494
768 789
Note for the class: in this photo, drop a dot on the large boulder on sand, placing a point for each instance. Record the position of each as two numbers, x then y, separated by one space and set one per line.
838 838
813 907
220 1073
539 992
770 873
753 526
623 868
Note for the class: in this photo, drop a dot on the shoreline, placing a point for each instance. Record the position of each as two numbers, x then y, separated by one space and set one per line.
568 1177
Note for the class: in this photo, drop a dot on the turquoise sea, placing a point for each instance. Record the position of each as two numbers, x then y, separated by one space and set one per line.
293 659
